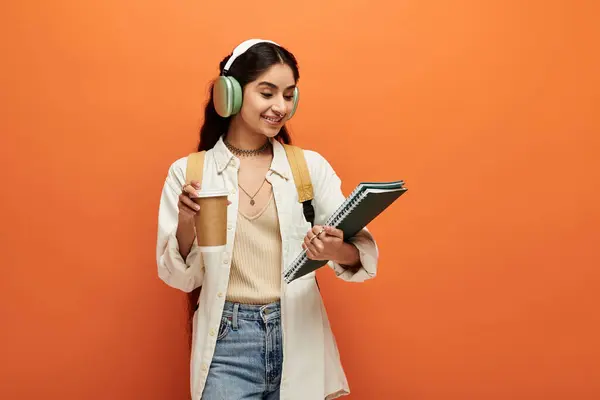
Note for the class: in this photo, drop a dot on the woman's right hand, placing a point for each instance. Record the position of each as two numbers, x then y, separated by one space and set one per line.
187 207
186 232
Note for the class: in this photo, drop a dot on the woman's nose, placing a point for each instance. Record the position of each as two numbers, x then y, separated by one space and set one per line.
279 105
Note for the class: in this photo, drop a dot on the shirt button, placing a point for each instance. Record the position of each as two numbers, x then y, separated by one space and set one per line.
226 260
212 332
204 367
232 191
220 294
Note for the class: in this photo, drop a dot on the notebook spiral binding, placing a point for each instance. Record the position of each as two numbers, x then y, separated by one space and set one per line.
346 208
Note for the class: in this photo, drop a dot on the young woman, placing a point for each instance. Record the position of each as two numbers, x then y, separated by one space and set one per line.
255 336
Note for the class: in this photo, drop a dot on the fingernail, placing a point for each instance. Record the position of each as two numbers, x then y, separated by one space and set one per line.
196 207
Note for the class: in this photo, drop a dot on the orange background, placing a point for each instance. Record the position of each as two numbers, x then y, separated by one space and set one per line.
489 285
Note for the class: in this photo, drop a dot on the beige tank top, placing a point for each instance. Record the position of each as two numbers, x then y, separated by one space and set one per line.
255 276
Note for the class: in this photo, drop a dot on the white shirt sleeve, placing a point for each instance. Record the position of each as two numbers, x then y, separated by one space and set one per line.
328 196
188 274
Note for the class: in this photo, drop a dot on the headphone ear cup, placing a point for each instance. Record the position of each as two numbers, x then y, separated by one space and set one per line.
294 103
227 96
236 97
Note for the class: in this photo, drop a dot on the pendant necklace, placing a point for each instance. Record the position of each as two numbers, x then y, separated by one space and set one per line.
252 202
248 153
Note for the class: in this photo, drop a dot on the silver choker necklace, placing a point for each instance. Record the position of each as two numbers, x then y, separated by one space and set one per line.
246 153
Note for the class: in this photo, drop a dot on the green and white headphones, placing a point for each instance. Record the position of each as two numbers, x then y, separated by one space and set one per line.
227 91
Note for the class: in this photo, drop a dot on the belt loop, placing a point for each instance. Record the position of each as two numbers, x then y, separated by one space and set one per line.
234 321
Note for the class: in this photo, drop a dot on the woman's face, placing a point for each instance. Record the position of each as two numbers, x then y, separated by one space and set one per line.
268 100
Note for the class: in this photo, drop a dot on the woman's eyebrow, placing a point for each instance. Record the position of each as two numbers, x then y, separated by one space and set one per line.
274 86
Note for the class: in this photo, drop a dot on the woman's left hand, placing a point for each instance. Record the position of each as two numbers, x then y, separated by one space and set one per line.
325 246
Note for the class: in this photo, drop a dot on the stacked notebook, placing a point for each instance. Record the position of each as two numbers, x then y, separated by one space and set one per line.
367 201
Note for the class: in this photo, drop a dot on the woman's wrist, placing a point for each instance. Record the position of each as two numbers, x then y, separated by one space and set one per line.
185 235
348 256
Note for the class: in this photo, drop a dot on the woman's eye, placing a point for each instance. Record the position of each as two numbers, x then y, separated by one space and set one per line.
289 98
267 95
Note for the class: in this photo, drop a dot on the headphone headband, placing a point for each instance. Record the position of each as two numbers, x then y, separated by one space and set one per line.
241 49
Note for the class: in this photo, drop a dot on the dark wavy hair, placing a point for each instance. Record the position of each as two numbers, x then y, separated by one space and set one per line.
245 69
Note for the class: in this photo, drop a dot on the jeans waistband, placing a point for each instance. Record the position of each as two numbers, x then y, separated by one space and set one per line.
252 312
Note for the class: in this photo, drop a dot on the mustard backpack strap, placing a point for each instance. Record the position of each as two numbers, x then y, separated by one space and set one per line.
295 156
195 167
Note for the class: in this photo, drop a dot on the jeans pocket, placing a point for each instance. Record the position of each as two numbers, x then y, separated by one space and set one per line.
224 328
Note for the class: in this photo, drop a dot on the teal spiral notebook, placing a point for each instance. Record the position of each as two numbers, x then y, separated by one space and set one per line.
365 203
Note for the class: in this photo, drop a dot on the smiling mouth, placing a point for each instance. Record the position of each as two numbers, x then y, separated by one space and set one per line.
272 120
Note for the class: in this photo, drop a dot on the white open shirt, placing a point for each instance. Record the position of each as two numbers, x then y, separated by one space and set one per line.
311 362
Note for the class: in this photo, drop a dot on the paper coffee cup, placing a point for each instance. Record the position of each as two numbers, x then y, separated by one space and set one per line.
211 220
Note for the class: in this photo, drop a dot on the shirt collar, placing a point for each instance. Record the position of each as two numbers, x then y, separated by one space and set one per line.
280 166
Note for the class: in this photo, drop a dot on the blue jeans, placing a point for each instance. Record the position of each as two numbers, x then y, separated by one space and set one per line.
248 356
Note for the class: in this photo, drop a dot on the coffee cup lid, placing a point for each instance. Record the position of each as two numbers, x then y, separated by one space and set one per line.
212 193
